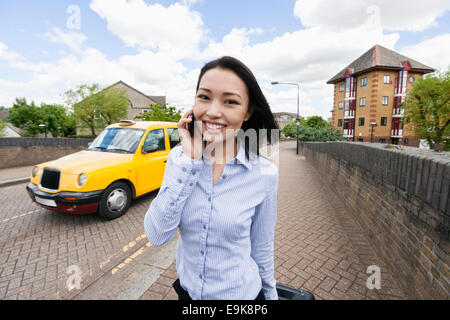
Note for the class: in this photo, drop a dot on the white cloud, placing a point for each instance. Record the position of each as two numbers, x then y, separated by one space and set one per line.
74 40
151 73
8 55
434 52
408 15
310 56
165 36
175 30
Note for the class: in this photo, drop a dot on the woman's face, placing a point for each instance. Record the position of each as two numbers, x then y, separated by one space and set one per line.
221 103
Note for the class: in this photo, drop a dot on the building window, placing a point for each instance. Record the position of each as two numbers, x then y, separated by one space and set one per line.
361 122
383 121
364 82
341 87
382 140
339 122
408 120
411 79
387 79
362 102
341 105
360 139
144 110
405 141
385 100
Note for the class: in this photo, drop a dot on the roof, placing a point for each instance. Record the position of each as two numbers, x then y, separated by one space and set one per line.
276 114
145 124
4 115
157 99
379 57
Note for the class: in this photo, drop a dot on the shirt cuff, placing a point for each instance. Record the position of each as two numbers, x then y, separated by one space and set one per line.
184 173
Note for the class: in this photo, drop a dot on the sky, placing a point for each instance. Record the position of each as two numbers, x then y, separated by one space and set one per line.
158 47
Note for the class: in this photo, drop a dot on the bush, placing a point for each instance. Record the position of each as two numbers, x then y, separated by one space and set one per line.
82 136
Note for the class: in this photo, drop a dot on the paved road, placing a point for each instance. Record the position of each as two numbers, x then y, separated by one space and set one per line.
37 246
318 247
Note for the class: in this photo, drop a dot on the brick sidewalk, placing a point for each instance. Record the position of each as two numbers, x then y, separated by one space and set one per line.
15 173
319 246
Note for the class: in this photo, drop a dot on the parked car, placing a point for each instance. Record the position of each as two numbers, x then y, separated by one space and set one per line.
124 162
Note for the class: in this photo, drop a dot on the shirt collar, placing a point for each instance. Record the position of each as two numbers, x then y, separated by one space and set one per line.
240 157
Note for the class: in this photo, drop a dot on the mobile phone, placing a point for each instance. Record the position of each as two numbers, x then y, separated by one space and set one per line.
191 125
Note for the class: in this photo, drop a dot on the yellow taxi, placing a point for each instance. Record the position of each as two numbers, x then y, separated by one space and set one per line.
125 161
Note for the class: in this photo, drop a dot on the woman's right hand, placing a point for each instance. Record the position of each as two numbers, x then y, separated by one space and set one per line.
192 146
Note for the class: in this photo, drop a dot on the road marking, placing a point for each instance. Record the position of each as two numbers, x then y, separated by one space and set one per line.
22 215
133 256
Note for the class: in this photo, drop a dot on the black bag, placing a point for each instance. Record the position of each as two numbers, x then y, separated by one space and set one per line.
286 292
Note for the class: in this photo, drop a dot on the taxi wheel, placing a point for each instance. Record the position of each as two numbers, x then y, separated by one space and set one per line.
115 201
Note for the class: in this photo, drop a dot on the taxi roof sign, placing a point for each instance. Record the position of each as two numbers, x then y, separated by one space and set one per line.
124 123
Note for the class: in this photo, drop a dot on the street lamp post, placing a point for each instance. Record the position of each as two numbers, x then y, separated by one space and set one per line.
45 128
373 124
298 98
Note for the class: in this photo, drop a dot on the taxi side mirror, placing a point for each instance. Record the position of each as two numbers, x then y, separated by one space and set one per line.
149 148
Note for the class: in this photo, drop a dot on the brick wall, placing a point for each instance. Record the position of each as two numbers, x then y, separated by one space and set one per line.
15 152
401 198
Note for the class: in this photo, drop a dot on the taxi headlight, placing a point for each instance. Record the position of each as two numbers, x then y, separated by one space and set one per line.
35 171
82 179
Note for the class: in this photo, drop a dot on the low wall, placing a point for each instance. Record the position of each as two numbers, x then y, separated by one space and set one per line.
401 199
16 152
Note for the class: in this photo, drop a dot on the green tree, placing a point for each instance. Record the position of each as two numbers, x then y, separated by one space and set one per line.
2 128
56 119
161 112
316 122
25 116
427 105
313 132
320 134
29 116
290 129
95 107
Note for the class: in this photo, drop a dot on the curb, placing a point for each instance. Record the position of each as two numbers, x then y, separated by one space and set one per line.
11 182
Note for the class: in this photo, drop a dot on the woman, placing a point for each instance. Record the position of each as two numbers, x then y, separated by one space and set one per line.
223 203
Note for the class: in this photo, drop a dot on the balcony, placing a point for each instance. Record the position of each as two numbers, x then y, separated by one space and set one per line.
348 133
349 114
396 133
398 112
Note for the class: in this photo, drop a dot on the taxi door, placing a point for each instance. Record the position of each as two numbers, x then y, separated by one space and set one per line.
150 165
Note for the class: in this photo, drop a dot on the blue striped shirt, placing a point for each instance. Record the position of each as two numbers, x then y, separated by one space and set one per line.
225 247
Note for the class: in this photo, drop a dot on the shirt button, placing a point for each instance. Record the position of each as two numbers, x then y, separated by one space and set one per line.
204 226
209 198
184 169
194 172
202 252
171 203
224 176
191 184
200 276
179 180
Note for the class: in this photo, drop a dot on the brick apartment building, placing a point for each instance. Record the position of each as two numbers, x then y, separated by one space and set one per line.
371 90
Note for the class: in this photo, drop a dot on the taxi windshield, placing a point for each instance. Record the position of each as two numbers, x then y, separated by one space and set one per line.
121 140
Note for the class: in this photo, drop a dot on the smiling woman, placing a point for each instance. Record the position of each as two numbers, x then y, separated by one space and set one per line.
223 203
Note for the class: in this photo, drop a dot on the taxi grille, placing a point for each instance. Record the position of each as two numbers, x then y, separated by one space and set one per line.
50 178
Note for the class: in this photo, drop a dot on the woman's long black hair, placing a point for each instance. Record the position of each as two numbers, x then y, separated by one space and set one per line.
262 117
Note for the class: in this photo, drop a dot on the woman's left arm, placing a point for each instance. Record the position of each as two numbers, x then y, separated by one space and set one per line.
262 238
